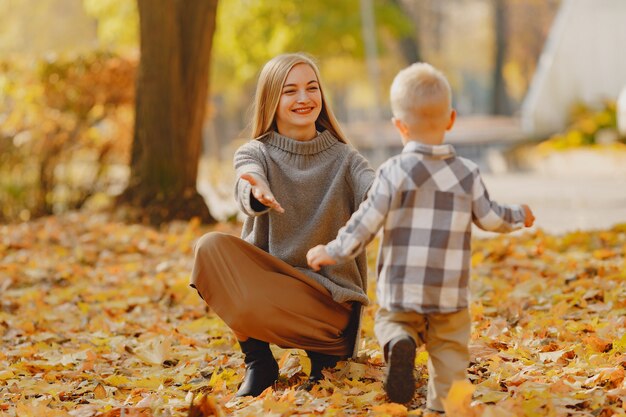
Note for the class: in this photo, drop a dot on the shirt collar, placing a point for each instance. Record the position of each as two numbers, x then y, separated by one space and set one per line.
438 151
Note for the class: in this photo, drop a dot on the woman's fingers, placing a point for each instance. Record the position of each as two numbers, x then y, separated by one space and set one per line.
249 178
262 193
267 199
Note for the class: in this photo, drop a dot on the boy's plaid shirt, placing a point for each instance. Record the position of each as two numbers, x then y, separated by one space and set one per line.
426 199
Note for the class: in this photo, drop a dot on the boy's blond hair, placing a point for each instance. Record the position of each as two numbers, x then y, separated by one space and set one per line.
415 87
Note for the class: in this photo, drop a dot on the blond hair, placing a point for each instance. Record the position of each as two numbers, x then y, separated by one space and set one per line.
418 85
269 89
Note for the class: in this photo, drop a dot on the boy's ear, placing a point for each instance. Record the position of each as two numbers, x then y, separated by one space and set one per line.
400 126
452 119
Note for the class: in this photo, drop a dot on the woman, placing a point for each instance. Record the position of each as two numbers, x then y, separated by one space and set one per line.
298 182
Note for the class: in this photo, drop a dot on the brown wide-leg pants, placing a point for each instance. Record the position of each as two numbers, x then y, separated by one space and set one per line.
260 296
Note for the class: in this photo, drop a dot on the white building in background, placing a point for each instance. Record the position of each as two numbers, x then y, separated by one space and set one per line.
584 60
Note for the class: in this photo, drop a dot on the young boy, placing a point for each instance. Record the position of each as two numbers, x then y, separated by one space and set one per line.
425 199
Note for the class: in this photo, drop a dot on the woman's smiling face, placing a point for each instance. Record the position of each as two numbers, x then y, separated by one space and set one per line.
300 104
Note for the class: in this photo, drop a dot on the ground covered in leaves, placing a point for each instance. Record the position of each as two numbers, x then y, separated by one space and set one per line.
96 319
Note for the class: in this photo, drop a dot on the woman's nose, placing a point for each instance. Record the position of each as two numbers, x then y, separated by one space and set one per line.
302 95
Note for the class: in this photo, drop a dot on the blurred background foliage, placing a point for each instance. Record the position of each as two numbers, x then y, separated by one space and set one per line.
589 126
65 135
68 67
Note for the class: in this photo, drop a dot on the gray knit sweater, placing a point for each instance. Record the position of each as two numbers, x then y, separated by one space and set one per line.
319 183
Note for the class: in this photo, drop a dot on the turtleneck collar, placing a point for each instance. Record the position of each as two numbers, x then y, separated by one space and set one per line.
321 142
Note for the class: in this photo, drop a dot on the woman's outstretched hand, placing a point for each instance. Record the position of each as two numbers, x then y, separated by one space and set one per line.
262 192
318 256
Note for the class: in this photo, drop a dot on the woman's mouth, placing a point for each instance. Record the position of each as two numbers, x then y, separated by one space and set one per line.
303 110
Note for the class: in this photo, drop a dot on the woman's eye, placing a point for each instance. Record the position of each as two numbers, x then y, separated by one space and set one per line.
313 88
289 91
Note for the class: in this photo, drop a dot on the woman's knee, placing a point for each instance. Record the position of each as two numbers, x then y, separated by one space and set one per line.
211 242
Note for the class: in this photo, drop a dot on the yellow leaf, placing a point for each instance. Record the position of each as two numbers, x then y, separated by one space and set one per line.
7 374
477 258
365 399
422 358
205 406
291 364
620 345
493 396
201 325
278 407
457 403
154 351
356 370
150 383
83 307
391 410
117 380
99 392
497 411
603 254
225 376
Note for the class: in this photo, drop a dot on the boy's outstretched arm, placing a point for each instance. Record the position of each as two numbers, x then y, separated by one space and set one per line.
358 231
494 217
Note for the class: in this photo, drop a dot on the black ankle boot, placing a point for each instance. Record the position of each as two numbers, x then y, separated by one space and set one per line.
321 361
261 368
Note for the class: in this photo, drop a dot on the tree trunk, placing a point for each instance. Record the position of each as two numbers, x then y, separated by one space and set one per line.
500 102
172 88
409 45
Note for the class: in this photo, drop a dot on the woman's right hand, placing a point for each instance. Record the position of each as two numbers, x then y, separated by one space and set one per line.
261 191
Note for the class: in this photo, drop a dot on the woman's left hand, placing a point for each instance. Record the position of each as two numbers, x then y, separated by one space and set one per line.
261 191
318 256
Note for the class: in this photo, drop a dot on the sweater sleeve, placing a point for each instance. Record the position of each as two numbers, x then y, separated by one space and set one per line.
364 223
491 216
362 176
249 159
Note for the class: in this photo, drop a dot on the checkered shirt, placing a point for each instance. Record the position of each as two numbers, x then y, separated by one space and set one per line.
425 199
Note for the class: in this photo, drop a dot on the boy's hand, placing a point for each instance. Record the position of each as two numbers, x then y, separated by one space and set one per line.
262 192
530 217
318 256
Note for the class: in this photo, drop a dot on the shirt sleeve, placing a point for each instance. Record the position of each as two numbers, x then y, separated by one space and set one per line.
249 159
491 216
364 223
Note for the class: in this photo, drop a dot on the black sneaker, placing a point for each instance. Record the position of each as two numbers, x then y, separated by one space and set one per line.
400 379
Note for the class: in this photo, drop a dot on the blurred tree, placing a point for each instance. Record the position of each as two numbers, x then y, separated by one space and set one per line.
499 96
409 42
529 22
505 38
172 86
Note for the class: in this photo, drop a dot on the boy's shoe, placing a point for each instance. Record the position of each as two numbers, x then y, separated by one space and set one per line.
400 379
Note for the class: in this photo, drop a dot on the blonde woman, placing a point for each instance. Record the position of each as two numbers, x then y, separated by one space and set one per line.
298 182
